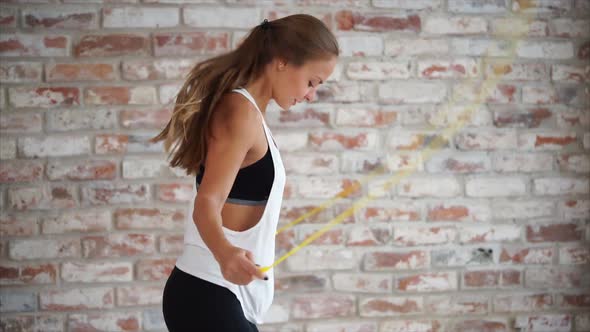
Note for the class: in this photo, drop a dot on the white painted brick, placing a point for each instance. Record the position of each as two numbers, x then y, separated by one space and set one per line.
54 146
519 209
44 249
489 233
411 92
454 25
7 148
558 50
312 259
291 141
70 120
458 163
477 6
447 115
140 17
409 47
456 68
429 186
518 27
482 47
422 235
365 283
378 70
495 186
486 140
561 186
360 45
145 168
237 18
407 4
91 272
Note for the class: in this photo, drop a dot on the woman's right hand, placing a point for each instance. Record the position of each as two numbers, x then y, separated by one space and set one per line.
238 267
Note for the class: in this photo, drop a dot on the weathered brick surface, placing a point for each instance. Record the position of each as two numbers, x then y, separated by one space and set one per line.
474 114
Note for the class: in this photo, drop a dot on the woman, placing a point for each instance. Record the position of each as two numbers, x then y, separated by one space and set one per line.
217 131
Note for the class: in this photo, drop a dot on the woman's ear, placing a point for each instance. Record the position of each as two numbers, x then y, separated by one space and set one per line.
281 64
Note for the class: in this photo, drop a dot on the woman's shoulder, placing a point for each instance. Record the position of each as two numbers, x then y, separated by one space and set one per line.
234 112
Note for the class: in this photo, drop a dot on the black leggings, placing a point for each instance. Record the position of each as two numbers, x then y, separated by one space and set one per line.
193 304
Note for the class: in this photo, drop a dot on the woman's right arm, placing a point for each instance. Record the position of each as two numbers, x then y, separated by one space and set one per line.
232 135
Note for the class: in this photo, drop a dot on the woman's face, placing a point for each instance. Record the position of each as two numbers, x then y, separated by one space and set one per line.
296 84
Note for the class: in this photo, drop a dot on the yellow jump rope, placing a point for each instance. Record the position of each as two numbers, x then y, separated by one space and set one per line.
395 178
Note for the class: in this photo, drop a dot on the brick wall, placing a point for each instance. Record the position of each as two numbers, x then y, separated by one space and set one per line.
487 231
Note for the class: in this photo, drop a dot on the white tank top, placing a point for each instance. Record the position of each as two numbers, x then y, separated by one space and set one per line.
198 260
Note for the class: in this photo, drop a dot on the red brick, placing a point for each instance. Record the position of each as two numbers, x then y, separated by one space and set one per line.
522 302
109 193
388 306
146 218
428 282
323 306
154 268
175 192
111 143
309 116
21 171
481 278
481 325
330 237
44 97
40 248
42 198
339 141
18 225
61 18
527 255
528 118
8 17
118 245
554 233
348 20
28 274
68 72
34 45
112 45
82 170
578 301
416 259
172 244
190 43
120 95
20 72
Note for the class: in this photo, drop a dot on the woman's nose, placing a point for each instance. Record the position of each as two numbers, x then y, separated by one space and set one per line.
310 96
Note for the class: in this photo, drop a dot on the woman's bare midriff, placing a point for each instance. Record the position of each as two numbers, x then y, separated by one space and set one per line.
241 217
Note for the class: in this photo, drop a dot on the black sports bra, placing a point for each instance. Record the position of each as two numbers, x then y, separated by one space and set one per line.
253 182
